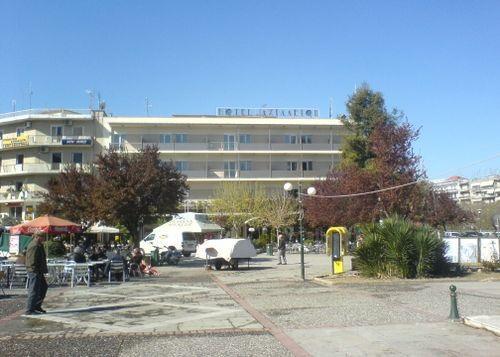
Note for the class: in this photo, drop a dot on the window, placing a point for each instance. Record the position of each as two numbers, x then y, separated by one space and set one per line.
56 130
20 159
78 131
19 186
245 165
149 238
230 169
291 165
165 138
307 165
56 160
77 158
290 139
306 139
181 165
16 212
118 138
19 131
245 139
1 134
229 141
181 138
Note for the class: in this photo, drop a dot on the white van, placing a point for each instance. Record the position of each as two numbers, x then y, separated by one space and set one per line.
184 242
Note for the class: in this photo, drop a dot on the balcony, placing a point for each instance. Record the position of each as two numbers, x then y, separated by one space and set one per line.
219 146
214 173
20 196
12 170
44 140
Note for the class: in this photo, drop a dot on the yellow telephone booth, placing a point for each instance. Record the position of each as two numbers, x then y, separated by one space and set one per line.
335 237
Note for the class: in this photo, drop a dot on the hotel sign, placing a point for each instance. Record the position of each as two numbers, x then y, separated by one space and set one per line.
76 140
268 112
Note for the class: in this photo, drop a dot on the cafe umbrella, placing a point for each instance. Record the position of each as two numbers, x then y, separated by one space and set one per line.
46 224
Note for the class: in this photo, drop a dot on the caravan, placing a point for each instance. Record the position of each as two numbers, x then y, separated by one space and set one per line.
184 232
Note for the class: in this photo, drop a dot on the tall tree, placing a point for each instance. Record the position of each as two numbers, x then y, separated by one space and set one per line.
279 210
235 203
133 189
378 154
366 110
70 195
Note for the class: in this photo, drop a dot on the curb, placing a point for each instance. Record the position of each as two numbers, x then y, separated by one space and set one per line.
484 322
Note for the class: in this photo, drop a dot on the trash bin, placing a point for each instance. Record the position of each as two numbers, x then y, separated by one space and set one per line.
155 257
269 249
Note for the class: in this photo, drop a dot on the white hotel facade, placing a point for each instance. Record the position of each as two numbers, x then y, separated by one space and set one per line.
268 146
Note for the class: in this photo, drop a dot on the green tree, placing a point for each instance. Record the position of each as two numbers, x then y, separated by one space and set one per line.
366 110
279 210
234 203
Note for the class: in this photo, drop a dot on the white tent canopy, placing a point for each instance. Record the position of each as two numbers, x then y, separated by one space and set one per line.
97 228
190 222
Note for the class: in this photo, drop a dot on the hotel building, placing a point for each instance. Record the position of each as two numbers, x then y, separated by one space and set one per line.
268 146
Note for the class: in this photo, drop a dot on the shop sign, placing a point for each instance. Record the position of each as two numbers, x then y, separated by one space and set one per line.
16 142
76 140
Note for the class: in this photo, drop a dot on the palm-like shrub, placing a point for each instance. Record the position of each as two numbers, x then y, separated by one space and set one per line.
398 248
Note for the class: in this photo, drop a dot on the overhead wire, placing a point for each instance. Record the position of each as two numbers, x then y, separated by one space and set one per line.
397 186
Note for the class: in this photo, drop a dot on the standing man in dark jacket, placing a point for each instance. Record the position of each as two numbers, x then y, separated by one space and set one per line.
36 266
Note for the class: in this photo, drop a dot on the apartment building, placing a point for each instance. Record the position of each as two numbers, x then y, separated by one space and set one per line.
484 189
34 146
268 146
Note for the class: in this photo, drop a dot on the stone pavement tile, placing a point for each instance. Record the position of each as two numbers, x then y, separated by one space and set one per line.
416 339
218 345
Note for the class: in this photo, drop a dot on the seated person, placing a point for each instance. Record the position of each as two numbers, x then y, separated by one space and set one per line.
135 261
97 254
78 256
115 256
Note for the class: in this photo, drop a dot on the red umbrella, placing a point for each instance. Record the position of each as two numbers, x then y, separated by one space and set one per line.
46 224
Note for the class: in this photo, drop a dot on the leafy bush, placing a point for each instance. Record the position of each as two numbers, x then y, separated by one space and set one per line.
398 248
490 266
55 248
262 241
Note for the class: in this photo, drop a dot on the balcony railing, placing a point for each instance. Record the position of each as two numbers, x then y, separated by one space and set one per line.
20 196
226 146
38 168
47 111
44 140
251 174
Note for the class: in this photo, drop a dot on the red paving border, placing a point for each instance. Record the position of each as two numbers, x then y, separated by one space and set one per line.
278 333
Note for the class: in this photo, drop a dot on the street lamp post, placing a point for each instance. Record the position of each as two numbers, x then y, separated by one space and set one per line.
311 191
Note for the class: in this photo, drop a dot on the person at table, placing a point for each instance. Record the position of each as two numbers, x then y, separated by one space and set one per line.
135 261
116 257
36 267
78 256
96 255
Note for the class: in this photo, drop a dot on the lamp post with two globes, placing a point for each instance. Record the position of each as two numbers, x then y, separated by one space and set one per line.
311 191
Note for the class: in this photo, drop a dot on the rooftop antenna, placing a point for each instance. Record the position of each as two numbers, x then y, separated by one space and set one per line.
99 100
330 108
148 105
30 94
90 93
13 105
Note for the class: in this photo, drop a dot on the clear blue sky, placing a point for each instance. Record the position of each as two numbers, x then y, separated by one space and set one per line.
438 61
